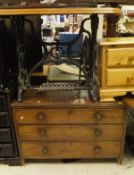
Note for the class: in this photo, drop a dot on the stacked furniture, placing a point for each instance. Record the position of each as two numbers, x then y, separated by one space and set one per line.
65 124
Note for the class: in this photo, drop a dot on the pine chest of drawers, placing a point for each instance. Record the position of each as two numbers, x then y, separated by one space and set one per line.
69 129
116 67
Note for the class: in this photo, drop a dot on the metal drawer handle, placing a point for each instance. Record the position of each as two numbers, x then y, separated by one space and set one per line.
45 150
98 116
97 132
42 132
97 149
41 116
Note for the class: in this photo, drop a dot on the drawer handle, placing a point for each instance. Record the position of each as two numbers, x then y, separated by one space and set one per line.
45 150
129 79
97 149
130 60
41 116
42 132
97 132
98 116
0 148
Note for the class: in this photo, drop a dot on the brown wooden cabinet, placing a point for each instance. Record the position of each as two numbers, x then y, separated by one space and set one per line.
69 129
116 67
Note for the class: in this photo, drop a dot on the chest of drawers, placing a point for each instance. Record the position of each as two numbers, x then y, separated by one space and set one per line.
116 67
69 129
8 147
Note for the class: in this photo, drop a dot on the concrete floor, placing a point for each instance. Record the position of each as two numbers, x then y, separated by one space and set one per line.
72 168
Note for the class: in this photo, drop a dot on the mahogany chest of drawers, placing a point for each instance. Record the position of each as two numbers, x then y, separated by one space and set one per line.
116 67
69 129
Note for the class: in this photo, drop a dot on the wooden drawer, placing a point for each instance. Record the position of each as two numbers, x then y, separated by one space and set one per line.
70 132
31 116
120 77
61 150
6 150
5 135
120 56
4 119
3 104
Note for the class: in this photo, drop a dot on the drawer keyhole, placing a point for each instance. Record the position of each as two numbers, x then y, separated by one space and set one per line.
45 150
97 149
97 132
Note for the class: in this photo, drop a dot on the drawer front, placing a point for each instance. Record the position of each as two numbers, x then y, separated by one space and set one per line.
120 57
6 150
70 132
5 135
3 104
31 116
4 119
59 150
120 77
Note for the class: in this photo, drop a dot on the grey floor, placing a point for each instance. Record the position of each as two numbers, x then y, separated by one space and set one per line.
72 168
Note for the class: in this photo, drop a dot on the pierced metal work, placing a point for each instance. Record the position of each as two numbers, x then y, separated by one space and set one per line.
59 86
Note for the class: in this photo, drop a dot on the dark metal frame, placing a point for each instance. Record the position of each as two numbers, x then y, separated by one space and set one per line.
87 56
